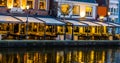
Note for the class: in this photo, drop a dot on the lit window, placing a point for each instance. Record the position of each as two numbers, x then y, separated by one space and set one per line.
76 10
42 4
3 2
88 11
65 9
16 3
30 3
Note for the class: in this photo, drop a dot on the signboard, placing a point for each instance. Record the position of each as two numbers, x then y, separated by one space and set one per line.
102 10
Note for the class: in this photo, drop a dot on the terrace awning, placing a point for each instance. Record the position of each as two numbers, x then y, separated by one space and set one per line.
114 24
30 19
90 23
8 19
103 23
76 23
51 21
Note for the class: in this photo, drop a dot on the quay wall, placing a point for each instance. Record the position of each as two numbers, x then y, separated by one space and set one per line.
58 43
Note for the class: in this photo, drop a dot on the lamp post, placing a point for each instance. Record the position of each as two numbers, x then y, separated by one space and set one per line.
113 29
108 22
108 19
27 7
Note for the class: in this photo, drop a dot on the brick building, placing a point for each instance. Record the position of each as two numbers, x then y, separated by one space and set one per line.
39 7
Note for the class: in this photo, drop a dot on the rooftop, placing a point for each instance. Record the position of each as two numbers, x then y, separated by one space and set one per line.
88 1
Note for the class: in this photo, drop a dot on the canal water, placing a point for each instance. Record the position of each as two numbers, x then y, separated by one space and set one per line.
60 55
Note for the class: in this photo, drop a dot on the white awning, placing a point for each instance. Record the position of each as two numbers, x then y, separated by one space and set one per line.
8 19
114 24
90 23
51 21
30 19
104 24
76 23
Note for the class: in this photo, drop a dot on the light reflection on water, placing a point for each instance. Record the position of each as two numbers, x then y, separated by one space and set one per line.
60 55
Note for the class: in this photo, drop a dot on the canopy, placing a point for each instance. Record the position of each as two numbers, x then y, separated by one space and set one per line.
8 19
30 19
104 24
51 21
76 23
90 23
114 24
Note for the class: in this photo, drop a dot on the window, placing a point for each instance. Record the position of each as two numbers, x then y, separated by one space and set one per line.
88 11
42 4
30 3
3 2
65 9
16 3
76 10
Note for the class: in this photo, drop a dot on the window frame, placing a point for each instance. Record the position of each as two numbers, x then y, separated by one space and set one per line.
89 14
45 4
77 9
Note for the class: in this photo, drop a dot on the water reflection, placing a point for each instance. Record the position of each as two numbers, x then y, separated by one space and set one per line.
64 55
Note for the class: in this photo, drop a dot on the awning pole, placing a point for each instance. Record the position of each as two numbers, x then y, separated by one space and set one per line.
45 32
72 33
64 32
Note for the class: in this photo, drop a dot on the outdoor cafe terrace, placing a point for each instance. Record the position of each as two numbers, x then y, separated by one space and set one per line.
49 28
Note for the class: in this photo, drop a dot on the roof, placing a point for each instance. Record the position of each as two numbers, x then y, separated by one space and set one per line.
114 24
8 19
90 23
76 23
103 24
51 21
30 19
88 1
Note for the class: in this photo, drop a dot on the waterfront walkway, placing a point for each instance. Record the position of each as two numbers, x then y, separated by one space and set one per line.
57 43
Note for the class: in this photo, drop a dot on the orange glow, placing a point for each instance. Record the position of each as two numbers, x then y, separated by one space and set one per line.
102 11
9 3
23 4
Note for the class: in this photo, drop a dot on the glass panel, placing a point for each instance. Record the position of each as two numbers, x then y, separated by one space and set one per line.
35 27
42 4
76 29
41 27
16 28
3 27
23 27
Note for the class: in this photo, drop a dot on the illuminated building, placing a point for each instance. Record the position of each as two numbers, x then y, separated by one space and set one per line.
39 7
77 8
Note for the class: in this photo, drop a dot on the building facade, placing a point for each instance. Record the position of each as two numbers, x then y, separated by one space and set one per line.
40 7
114 12
77 8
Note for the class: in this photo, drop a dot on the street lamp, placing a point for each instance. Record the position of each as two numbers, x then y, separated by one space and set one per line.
108 21
27 7
108 18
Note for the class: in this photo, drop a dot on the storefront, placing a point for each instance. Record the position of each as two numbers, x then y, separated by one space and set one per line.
8 28
54 29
